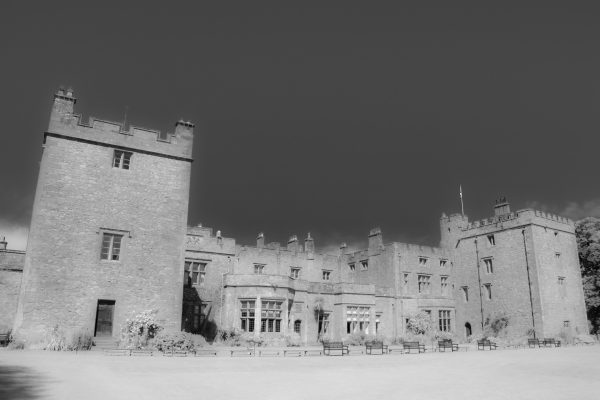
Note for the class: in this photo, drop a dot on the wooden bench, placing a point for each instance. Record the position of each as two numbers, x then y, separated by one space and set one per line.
533 342
117 352
413 346
328 347
369 346
4 339
446 344
313 352
175 353
205 353
550 342
293 353
242 353
269 353
483 343
140 352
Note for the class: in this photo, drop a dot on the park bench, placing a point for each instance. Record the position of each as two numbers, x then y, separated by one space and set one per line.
205 353
4 339
533 342
117 352
328 347
377 345
446 344
409 346
483 343
175 353
269 353
313 352
141 352
293 353
242 353
549 342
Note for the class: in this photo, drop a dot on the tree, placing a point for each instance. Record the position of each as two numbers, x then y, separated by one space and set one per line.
587 232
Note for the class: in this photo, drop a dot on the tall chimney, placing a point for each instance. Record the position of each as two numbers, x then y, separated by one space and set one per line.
3 243
292 243
260 240
375 240
309 244
501 207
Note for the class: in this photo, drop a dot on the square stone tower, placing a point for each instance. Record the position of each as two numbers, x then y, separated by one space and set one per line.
108 225
521 265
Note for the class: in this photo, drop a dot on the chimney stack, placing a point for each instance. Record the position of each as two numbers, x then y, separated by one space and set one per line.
3 243
292 243
375 241
501 207
309 244
260 240
343 248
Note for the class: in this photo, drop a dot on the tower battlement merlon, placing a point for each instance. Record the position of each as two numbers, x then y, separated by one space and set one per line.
525 216
65 123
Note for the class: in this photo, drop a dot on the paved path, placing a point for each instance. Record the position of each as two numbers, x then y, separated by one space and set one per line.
553 373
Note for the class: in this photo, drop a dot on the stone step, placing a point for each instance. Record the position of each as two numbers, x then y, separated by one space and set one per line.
104 342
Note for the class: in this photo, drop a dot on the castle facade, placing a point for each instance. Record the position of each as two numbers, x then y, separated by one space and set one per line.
109 238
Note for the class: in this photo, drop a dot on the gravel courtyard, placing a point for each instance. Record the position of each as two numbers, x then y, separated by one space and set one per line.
553 373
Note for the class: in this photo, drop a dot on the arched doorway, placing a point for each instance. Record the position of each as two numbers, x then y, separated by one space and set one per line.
468 329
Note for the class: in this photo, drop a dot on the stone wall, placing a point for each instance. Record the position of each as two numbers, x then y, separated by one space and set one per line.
11 272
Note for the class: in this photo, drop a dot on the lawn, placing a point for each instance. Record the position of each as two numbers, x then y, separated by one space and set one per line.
551 373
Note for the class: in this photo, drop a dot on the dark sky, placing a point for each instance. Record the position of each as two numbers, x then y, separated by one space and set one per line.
325 118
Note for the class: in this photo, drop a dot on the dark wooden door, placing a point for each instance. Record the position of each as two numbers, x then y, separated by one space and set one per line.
104 317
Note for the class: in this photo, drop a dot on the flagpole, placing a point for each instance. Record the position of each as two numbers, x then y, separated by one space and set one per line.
462 207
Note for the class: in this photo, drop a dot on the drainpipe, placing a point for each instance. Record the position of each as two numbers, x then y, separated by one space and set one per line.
529 282
479 280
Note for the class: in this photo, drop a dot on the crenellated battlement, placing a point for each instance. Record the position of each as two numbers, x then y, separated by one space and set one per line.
64 122
421 249
519 216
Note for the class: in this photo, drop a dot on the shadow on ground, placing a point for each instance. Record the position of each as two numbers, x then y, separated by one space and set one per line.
19 383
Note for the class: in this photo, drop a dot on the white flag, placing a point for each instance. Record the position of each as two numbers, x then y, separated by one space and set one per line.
460 190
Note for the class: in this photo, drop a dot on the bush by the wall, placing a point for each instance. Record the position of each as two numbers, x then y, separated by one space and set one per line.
167 341
138 330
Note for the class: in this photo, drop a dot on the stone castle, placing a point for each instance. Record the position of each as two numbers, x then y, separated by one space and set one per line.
109 238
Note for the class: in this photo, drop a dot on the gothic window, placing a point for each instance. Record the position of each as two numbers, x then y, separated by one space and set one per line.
111 246
297 326
445 321
247 312
270 316
121 159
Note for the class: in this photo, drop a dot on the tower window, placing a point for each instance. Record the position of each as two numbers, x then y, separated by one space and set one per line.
294 273
488 291
258 269
489 266
445 321
465 292
111 247
121 159
443 262
247 313
444 285
364 265
422 261
352 267
297 326
326 275
491 240
562 286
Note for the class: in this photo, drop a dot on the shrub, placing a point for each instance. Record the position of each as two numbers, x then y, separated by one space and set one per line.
419 324
496 326
167 341
16 345
293 340
199 340
139 329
